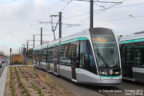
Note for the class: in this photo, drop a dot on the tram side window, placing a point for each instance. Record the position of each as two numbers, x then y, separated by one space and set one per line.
42 55
129 55
65 52
69 53
50 55
123 53
138 56
45 55
74 53
86 57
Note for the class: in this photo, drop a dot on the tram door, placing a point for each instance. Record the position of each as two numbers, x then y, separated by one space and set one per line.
35 59
74 50
55 67
129 60
48 66
50 58
47 57
55 58
39 59
73 72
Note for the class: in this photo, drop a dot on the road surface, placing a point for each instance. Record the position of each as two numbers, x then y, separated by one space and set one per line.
2 68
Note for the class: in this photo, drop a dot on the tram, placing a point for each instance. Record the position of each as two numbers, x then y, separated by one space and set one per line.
132 54
88 57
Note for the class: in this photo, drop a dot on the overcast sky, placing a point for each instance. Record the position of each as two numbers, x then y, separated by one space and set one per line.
19 18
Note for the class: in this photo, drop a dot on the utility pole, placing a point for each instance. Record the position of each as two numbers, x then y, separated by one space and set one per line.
27 51
10 56
60 24
27 45
24 53
41 41
33 41
19 50
91 14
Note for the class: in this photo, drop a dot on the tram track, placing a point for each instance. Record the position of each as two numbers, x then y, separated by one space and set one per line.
132 88
126 88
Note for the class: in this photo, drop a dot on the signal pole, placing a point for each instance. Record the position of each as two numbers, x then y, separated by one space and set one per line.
91 14
60 24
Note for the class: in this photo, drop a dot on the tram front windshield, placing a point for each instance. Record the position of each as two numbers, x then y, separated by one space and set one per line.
106 50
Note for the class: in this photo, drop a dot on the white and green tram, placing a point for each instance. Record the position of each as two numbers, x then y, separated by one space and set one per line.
88 57
132 54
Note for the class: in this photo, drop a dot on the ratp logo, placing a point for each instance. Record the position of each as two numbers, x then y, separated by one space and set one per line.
111 72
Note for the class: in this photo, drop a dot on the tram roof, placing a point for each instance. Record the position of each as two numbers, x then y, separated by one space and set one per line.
83 35
134 37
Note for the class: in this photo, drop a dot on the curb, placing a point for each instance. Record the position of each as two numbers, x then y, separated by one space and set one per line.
3 81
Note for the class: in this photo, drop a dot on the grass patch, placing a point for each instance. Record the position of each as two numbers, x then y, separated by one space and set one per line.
45 78
26 77
11 85
37 89
21 83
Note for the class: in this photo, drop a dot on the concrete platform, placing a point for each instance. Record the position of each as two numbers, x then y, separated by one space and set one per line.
3 81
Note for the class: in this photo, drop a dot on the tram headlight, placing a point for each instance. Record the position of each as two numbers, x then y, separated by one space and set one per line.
117 73
103 73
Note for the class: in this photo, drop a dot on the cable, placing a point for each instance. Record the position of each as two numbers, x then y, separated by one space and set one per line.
101 11
68 3
126 18
95 10
130 5
85 13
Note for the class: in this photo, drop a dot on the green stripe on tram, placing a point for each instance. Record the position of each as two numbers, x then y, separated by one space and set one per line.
110 76
131 41
53 45
82 38
73 40
68 41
